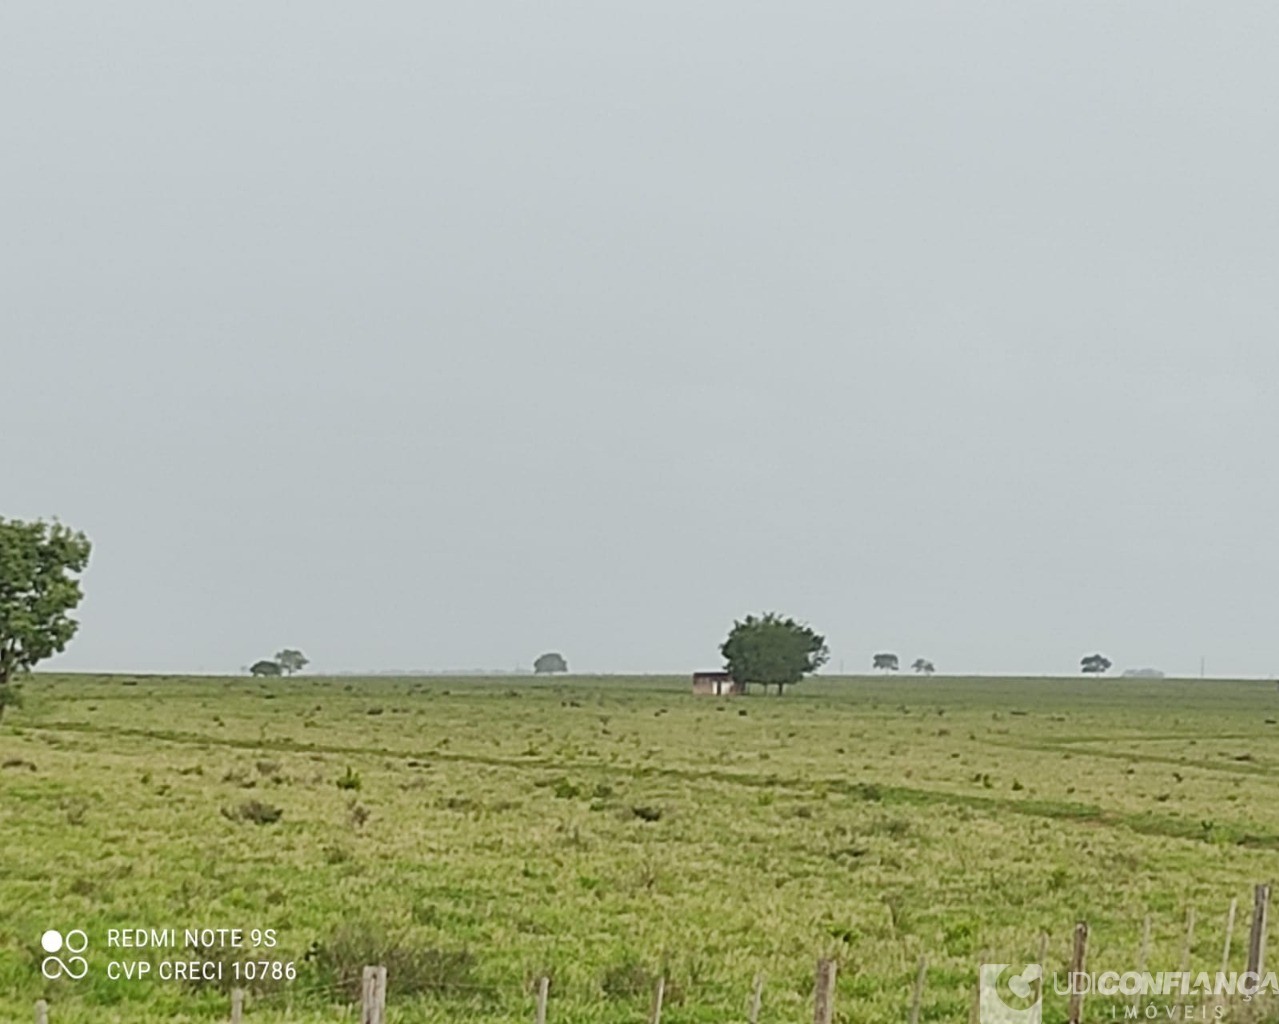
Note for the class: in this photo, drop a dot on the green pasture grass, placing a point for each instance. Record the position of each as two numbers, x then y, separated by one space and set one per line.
604 831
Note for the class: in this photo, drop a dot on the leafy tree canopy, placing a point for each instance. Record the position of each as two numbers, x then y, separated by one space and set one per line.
924 665
885 662
292 661
551 661
38 592
772 651
1094 664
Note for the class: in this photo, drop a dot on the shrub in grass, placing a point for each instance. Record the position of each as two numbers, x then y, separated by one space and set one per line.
566 790
255 811
411 969
627 980
349 780
335 854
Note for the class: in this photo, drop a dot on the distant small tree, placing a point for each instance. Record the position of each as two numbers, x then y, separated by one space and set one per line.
265 668
1094 664
551 661
772 651
39 590
291 661
885 662
923 665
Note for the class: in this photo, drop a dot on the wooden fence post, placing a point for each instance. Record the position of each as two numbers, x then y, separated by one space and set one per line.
658 995
42 1012
373 1001
1219 1000
543 989
379 994
757 997
1230 932
1143 954
824 993
237 1006
1076 1012
1257 940
366 996
918 995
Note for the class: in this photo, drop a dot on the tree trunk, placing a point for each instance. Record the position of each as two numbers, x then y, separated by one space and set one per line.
5 679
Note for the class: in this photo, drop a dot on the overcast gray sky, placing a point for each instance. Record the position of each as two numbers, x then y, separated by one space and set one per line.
437 335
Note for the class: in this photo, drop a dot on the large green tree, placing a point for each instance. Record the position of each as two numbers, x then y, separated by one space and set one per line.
772 651
1094 664
551 661
292 661
39 562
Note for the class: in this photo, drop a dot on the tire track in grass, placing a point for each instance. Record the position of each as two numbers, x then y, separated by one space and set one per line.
1225 833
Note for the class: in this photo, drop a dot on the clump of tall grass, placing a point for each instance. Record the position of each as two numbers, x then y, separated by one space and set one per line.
411 969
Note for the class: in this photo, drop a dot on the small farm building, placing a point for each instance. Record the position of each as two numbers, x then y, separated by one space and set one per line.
716 684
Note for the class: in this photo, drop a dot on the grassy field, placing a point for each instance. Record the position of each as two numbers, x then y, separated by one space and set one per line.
475 834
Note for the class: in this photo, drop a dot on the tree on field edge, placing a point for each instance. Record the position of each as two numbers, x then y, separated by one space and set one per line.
772 650
39 589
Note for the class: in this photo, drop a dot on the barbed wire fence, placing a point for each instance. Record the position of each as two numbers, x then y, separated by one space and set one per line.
372 1004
